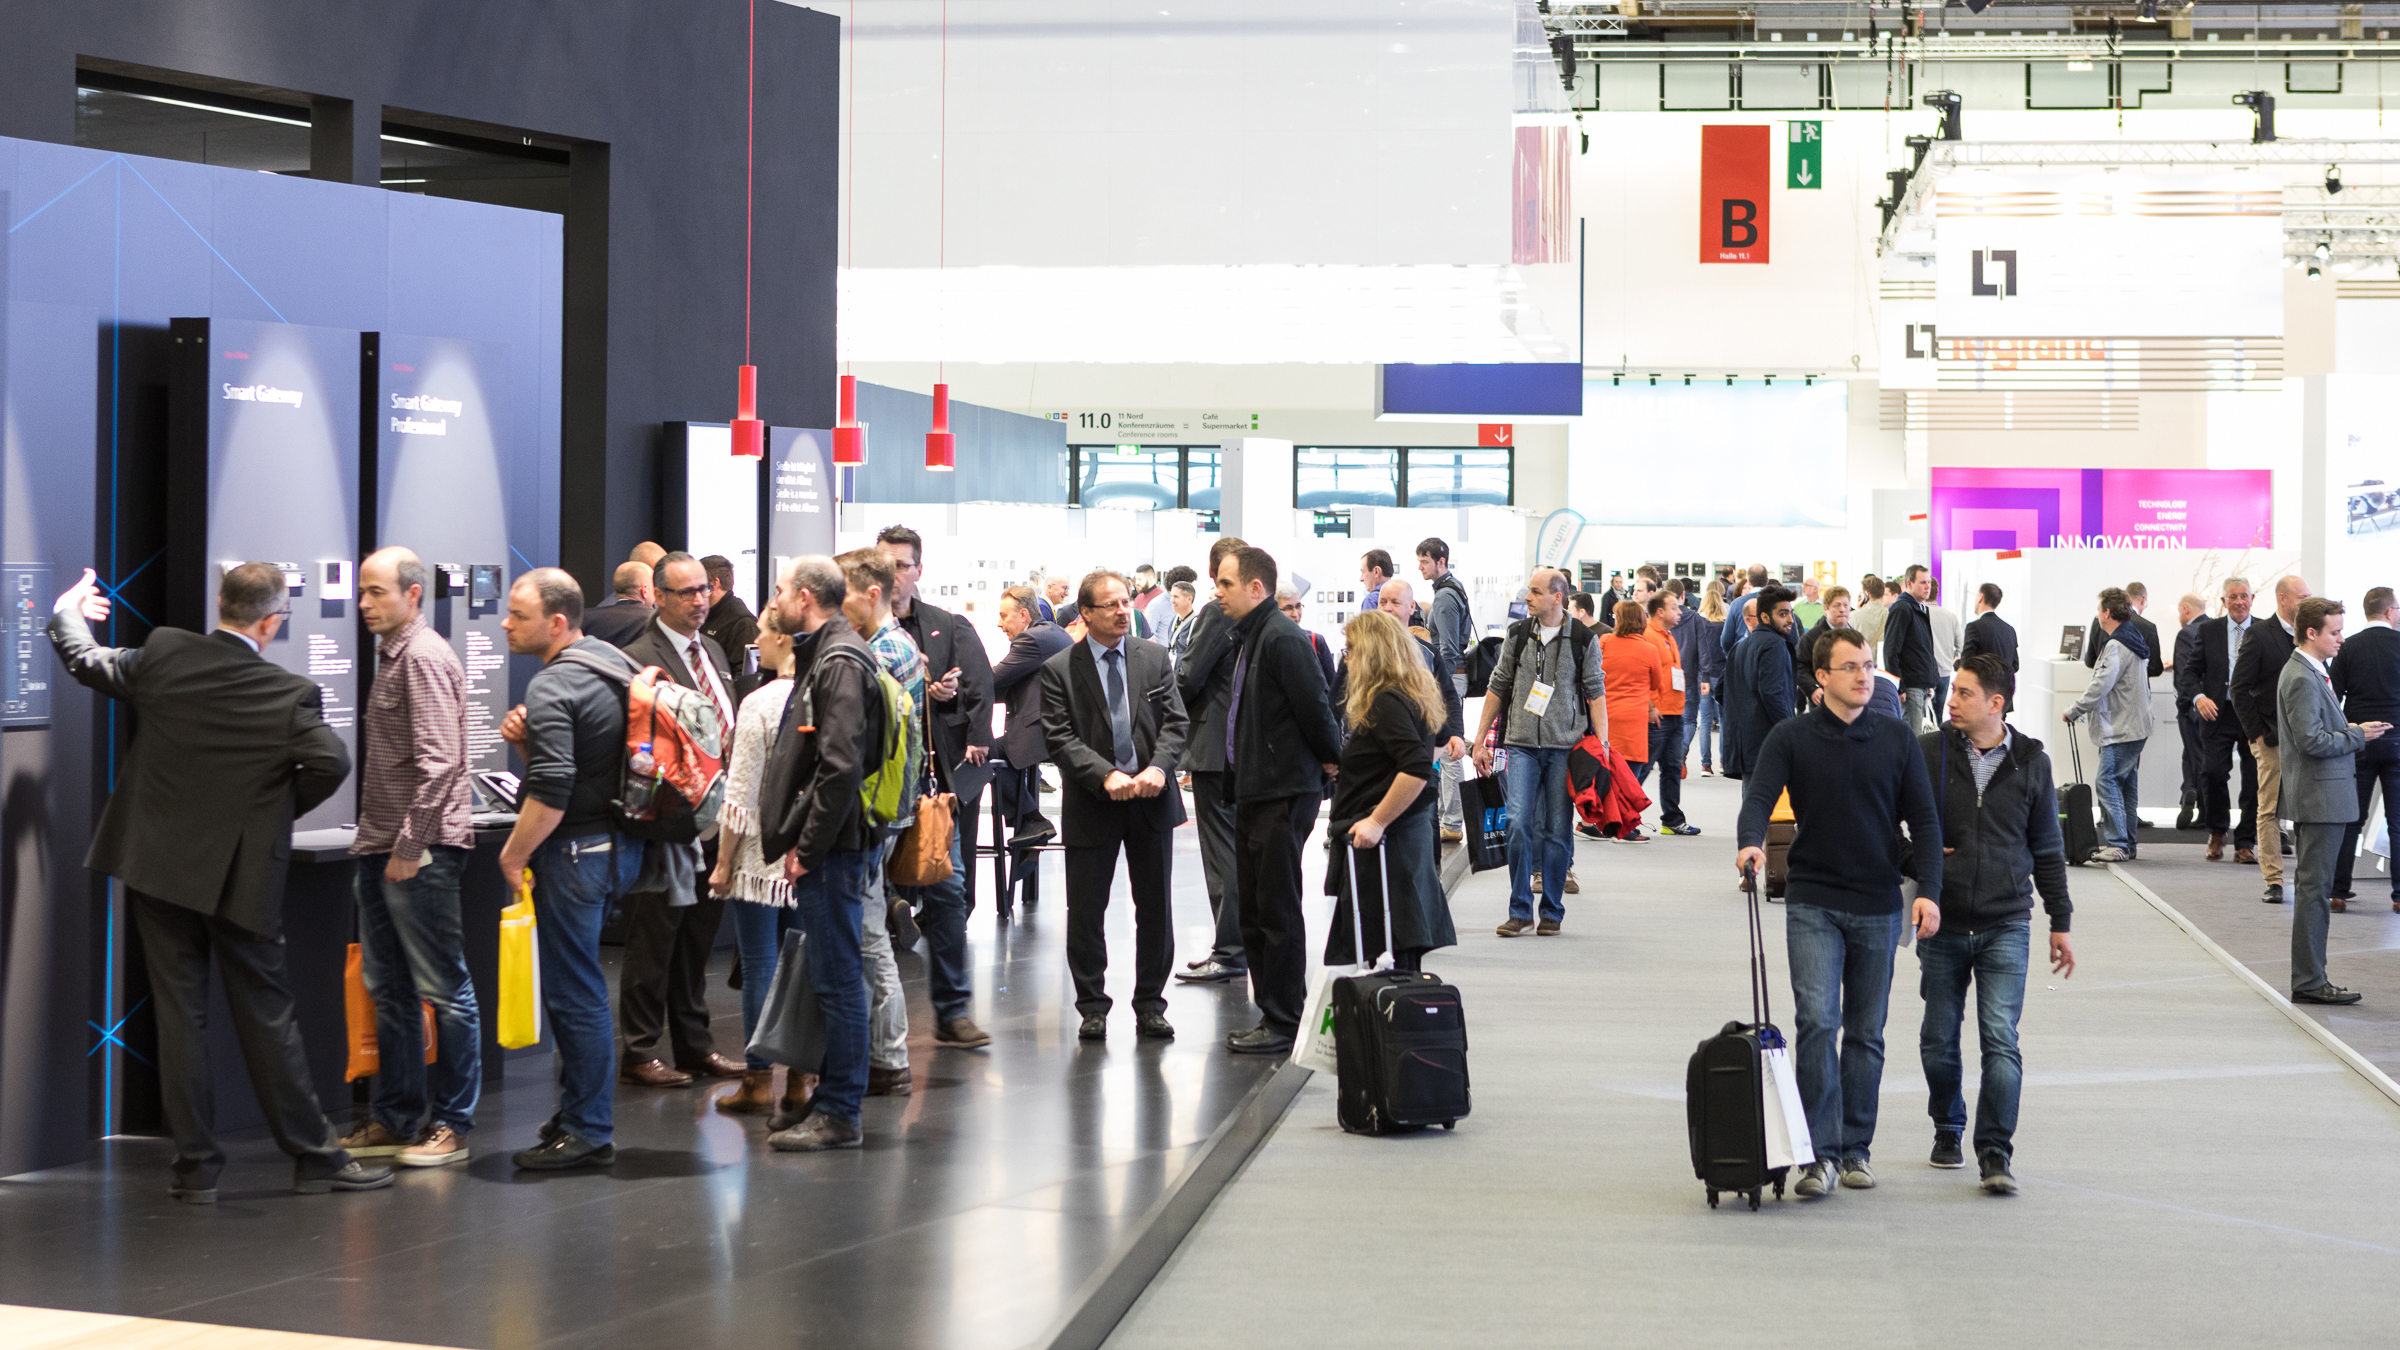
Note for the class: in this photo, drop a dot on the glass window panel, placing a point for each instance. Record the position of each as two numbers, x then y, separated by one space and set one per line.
1322 478
1200 474
1128 477
1458 477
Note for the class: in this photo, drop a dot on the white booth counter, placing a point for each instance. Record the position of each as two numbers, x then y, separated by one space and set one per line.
2048 686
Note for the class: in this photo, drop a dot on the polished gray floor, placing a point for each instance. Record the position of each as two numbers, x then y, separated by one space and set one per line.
2196 1170
978 1206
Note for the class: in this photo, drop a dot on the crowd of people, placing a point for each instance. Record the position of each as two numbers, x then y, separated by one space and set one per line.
850 703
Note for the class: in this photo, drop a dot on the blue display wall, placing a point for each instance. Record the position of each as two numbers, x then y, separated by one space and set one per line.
102 251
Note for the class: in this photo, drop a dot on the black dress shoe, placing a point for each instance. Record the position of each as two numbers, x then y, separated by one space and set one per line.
1259 1040
563 1150
1210 972
1153 1027
1032 832
2327 993
2274 895
1094 1028
354 1176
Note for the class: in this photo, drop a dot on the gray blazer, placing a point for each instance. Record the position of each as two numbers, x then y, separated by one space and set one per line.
2319 748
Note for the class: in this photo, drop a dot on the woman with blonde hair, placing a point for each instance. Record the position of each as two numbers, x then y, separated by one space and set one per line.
744 874
1391 707
1711 640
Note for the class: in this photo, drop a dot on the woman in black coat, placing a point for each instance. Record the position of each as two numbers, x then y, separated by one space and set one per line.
1380 807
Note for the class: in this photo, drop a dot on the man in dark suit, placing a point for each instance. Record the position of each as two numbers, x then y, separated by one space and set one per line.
2318 747
2221 738
2187 686
1758 681
1908 649
729 623
2367 677
670 929
1032 641
1205 675
1115 726
2255 673
624 617
1281 742
1988 632
228 751
958 711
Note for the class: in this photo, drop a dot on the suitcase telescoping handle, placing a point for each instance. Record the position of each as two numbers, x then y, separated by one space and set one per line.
1358 923
1758 949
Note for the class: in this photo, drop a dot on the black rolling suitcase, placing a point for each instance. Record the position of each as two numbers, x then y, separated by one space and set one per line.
2075 818
1724 1090
1400 1039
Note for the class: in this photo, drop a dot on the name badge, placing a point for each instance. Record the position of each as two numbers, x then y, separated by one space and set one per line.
1538 701
1676 676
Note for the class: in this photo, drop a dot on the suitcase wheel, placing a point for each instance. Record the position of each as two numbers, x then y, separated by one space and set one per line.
1754 1198
1712 1198
1779 1188
1449 1124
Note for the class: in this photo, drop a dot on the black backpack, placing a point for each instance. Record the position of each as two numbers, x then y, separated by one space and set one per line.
1520 633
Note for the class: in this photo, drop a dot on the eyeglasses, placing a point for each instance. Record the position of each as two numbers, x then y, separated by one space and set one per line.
688 592
1851 667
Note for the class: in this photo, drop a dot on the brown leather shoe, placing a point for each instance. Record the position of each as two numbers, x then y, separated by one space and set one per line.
756 1096
2216 846
715 1066
653 1073
888 1082
798 1090
2337 904
2245 855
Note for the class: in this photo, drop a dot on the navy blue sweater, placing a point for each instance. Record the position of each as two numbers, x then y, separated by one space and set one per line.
1849 782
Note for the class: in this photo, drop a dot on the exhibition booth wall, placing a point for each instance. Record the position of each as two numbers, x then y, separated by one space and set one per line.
205 366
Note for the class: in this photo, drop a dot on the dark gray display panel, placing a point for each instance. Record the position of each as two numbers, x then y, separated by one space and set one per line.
277 406
800 516
451 439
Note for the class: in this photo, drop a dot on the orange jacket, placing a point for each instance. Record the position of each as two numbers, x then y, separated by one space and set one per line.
1671 701
1636 677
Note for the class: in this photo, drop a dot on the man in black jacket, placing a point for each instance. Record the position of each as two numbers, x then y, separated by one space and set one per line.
1016 685
958 713
1281 742
1205 675
2221 739
2188 611
811 817
669 933
1988 632
2255 673
1908 648
229 750
1851 776
628 612
730 624
2366 676
1758 682
2000 843
1115 727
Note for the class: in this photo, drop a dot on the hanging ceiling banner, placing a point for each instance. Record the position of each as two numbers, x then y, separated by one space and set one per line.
1735 175
2094 255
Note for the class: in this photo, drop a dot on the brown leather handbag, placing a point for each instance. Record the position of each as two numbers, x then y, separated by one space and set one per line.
922 857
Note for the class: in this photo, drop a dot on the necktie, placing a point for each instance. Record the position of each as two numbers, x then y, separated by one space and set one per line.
706 678
1120 719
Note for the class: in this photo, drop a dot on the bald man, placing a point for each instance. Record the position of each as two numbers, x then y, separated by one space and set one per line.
626 616
647 554
2255 672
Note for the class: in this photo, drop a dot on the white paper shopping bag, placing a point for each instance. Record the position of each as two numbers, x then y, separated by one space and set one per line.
1788 1144
1312 1048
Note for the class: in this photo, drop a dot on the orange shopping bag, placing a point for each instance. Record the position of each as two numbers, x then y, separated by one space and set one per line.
358 1019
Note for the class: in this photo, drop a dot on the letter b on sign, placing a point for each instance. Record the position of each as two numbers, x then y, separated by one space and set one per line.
1734 183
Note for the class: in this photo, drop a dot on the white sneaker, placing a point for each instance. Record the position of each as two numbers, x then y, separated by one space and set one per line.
2112 854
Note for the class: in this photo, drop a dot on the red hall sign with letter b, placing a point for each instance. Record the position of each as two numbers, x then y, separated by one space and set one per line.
1734 178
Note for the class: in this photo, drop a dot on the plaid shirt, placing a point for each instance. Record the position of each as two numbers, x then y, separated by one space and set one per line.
412 781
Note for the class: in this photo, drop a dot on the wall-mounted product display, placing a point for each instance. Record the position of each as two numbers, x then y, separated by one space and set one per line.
26 666
800 515
2101 508
2362 487
710 502
454 466
1771 454
263 466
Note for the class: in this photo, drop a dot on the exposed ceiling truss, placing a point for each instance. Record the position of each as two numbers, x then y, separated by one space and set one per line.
1742 30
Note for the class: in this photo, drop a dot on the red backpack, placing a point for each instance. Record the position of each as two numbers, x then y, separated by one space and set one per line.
674 779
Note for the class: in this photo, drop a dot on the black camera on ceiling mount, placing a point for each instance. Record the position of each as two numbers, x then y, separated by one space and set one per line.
2262 114
1953 110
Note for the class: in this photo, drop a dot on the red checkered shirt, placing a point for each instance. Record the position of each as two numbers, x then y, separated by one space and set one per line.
412 781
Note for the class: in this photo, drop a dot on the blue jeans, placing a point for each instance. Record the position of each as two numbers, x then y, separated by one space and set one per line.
1995 960
576 882
1541 830
415 951
942 914
1705 735
2119 790
1841 989
831 899
758 936
1666 755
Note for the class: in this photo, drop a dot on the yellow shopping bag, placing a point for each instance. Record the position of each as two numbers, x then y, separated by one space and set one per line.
520 972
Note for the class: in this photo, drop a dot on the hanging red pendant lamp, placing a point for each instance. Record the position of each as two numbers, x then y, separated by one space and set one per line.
941 448
849 438
749 433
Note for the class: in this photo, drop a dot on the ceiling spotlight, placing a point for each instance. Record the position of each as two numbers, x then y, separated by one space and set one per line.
2323 250
2149 12
2333 178
2313 273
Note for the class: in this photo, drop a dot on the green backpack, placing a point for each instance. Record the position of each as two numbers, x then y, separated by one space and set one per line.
883 784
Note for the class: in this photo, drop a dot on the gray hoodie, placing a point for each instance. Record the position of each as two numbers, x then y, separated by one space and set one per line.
2118 698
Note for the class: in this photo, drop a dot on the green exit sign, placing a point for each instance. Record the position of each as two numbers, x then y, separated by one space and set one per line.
1804 155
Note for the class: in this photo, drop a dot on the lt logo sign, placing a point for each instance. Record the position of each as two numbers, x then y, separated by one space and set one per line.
2004 263
1733 194
1804 156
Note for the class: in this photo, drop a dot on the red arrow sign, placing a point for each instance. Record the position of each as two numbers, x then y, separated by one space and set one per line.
1496 433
